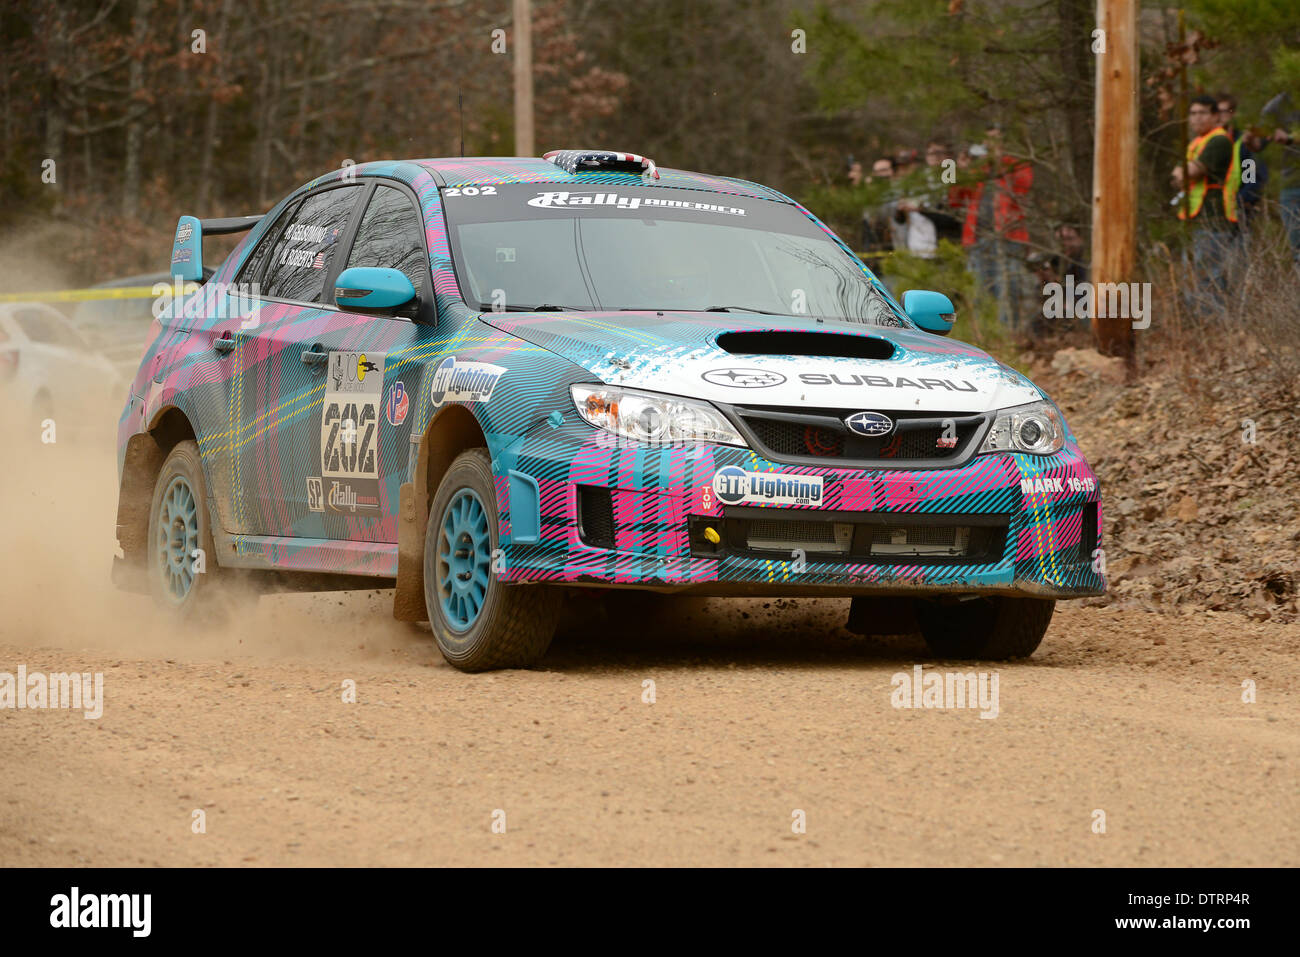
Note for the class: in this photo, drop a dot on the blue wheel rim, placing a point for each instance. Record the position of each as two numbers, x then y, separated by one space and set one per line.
464 559
177 532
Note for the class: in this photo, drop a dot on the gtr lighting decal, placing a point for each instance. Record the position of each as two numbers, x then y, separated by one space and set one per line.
743 378
455 381
735 486
869 423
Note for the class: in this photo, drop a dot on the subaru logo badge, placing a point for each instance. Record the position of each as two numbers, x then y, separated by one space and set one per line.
743 378
869 423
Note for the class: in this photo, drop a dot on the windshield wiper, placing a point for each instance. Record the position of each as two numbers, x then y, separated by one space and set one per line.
763 312
545 307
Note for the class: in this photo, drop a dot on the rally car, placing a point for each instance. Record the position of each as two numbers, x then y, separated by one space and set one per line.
495 383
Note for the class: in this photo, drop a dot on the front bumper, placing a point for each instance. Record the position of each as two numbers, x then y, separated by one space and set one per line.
1033 524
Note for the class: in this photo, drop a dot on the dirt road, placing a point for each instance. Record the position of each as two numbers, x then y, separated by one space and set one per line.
759 711
752 719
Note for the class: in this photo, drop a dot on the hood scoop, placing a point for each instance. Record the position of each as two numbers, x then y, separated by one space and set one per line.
798 343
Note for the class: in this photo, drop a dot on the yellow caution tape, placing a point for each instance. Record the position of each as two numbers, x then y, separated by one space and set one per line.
86 295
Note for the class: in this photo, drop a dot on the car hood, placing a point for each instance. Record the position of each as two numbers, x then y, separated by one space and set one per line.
776 360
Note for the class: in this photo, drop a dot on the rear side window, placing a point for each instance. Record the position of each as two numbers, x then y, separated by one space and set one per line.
301 257
252 270
391 235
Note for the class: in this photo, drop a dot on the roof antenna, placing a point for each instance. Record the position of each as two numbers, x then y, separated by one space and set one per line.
460 107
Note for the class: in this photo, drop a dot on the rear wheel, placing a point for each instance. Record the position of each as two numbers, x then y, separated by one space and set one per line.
479 622
994 628
182 560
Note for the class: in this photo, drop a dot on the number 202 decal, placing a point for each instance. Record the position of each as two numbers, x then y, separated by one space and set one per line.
350 438
470 191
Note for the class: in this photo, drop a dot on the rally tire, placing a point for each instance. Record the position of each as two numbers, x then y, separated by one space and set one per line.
995 628
507 626
178 523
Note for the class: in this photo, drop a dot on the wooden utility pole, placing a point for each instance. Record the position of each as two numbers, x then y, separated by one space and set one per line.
1114 170
524 145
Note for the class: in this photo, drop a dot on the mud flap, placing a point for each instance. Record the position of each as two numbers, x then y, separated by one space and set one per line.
140 465
887 615
408 601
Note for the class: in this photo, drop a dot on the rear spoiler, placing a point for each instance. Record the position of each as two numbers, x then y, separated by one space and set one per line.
187 249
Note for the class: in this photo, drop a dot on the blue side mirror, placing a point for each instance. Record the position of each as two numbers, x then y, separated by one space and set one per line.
932 311
372 287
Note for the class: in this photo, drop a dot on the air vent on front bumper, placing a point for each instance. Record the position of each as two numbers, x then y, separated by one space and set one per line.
886 538
595 516
821 437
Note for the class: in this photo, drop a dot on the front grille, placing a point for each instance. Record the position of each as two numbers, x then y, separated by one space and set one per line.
786 536
785 438
936 440
920 540
860 537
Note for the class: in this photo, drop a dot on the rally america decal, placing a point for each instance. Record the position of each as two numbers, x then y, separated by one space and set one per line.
456 381
735 486
349 431
566 198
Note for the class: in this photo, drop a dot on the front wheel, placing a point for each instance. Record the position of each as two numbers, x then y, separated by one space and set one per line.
479 622
993 628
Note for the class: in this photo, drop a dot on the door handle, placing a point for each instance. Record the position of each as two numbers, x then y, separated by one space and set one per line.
314 358
223 345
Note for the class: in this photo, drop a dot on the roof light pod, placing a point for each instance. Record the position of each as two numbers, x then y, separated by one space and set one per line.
575 161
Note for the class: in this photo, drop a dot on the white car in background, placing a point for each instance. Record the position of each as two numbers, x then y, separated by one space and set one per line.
46 366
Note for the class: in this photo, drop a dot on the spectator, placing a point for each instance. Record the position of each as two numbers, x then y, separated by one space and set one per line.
1287 137
1250 193
994 234
936 151
1073 255
1210 201
877 231
906 163
925 210
914 229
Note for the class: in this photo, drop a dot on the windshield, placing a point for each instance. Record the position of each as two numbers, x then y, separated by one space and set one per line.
542 246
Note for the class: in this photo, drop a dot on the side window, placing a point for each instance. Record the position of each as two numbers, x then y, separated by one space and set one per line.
34 326
64 335
391 234
252 270
301 258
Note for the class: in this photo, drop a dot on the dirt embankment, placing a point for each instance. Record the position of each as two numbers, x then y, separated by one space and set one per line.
1199 490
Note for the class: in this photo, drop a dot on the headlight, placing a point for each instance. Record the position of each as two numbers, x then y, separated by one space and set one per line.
1036 428
652 418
